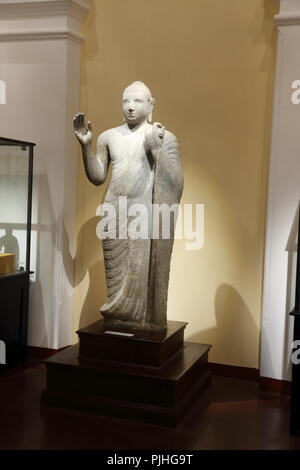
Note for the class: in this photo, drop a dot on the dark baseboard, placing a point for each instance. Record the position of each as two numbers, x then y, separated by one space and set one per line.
266 384
224 370
41 354
283 387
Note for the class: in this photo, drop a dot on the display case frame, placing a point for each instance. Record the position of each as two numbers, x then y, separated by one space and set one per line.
14 286
31 145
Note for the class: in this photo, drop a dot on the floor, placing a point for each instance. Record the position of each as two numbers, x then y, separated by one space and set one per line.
233 415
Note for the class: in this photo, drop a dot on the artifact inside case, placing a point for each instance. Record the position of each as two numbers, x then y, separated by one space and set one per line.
16 160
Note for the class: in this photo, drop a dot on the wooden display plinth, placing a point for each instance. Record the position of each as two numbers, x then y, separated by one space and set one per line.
147 377
96 342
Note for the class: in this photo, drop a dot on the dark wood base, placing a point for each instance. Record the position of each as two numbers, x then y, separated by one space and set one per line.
144 376
153 395
100 342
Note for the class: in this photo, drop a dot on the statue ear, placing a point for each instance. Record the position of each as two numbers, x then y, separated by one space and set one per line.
152 103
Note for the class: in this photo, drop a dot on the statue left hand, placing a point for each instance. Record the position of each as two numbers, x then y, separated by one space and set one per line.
154 139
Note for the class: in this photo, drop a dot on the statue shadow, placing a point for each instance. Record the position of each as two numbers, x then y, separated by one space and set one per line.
232 337
88 261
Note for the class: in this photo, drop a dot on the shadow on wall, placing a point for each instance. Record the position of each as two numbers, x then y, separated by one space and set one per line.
234 321
42 306
87 260
45 246
97 66
234 324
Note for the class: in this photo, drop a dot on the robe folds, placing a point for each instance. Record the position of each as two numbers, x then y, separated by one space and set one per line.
137 270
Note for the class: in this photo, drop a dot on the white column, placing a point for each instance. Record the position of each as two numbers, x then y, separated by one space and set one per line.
40 66
283 198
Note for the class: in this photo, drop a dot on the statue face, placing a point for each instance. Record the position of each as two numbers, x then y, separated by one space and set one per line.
136 106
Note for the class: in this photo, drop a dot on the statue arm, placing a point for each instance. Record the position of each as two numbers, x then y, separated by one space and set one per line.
96 166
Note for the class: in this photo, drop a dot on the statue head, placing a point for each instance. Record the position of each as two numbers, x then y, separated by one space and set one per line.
137 104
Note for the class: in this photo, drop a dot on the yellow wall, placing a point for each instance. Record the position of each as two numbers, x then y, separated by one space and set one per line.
210 66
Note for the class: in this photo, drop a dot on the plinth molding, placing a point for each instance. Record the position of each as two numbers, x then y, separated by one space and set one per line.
43 19
41 35
289 13
287 19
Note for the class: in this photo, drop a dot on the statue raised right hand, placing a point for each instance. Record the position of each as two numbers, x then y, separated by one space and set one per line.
84 135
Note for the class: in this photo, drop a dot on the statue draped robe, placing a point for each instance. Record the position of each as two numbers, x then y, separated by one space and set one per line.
137 270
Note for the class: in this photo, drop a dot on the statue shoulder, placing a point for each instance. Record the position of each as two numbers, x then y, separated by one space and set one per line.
170 142
105 137
170 136
102 138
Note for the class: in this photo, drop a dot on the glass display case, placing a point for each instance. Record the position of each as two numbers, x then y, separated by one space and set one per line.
16 164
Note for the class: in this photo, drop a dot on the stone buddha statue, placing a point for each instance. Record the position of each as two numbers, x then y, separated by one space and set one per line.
146 169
